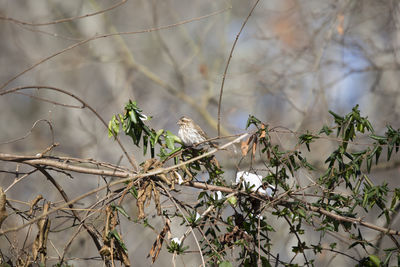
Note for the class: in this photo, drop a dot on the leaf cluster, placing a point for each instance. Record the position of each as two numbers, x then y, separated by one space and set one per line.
341 194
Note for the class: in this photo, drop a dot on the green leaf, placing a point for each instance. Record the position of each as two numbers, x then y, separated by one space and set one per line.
265 262
338 119
252 120
158 134
110 127
147 130
307 138
369 126
232 200
369 162
326 130
389 151
122 211
132 116
113 127
377 154
170 142
375 260
133 192
386 262
302 213
378 137
115 235
225 264
145 144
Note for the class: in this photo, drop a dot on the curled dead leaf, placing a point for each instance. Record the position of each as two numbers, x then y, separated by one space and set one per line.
140 203
149 189
3 211
173 179
105 251
157 245
157 200
244 146
263 132
34 203
164 178
151 164
254 148
39 246
114 247
144 198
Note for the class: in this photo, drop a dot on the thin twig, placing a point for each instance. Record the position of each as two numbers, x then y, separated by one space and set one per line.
21 22
190 227
227 65
100 36
30 131
131 159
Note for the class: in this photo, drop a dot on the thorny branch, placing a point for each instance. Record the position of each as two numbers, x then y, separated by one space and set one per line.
128 176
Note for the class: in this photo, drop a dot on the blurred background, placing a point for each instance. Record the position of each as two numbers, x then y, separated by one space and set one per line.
294 61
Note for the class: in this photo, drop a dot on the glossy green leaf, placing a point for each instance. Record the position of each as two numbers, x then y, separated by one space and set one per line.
132 116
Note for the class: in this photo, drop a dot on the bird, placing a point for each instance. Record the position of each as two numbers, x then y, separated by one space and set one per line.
190 133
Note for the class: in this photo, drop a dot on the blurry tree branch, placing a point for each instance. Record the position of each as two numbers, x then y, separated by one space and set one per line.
13 20
131 158
100 36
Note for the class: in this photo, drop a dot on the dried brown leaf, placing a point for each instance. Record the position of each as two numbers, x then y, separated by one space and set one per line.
164 178
263 132
149 189
168 225
173 178
3 211
105 251
151 164
107 223
125 259
34 203
340 28
140 203
157 200
187 172
244 147
144 194
254 149
40 244
157 245
215 162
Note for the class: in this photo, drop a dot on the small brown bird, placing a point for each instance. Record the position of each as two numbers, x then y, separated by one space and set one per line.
190 133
